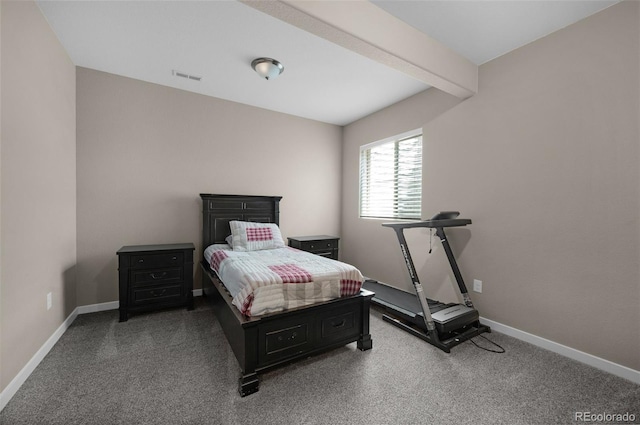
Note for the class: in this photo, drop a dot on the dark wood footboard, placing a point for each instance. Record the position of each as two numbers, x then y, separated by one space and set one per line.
272 340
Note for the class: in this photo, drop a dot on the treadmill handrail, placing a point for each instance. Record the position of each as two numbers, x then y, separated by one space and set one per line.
433 224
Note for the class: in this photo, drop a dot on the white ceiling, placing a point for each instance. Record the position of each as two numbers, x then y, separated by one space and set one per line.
217 40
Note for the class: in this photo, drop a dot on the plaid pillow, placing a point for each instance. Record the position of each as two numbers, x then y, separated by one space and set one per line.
251 236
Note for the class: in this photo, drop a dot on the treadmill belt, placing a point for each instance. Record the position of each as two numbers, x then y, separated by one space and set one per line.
399 300
405 305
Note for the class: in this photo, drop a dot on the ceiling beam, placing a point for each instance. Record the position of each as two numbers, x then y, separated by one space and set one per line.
366 29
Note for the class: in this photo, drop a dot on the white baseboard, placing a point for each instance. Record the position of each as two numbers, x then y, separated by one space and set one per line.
591 360
94 308
114 305
15 384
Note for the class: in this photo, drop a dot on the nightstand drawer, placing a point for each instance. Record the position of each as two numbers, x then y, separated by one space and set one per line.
158 294
312 246
145 261
146 277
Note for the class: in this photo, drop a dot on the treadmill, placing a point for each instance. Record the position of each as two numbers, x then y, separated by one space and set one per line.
440 324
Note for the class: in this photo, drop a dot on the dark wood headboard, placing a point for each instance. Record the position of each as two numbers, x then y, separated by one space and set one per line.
219 210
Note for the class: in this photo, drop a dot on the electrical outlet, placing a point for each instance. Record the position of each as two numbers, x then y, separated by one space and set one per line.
477 285
49 300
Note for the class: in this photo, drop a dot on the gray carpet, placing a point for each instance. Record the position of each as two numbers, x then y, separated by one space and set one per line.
175 367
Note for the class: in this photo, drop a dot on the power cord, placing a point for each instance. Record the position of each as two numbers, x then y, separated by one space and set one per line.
488 349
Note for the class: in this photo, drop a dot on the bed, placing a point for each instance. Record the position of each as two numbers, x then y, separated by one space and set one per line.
266 341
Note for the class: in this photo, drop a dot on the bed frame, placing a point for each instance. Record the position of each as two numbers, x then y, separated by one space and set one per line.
265 342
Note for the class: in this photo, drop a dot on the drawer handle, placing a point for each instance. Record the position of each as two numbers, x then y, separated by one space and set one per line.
141 261
174 258
339 325
293 336
160 276
153 293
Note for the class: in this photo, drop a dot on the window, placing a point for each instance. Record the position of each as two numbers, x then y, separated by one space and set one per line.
391 178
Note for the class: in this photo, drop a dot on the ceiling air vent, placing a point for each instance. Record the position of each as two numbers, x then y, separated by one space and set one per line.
185 75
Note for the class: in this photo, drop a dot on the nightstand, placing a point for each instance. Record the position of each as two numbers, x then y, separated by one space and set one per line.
326 246
155 276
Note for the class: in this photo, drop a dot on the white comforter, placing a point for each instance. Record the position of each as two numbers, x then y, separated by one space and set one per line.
273 280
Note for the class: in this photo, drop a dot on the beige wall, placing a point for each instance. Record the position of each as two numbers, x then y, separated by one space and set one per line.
38 173
146 152
544 160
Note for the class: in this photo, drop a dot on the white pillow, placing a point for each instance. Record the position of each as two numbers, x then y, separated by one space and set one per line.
229 240
252 236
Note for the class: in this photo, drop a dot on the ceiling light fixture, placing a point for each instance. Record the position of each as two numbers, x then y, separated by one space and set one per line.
267 68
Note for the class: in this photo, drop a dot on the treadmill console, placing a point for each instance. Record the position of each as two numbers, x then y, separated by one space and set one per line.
445 215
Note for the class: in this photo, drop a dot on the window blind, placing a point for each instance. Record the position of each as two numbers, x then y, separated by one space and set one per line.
391 179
